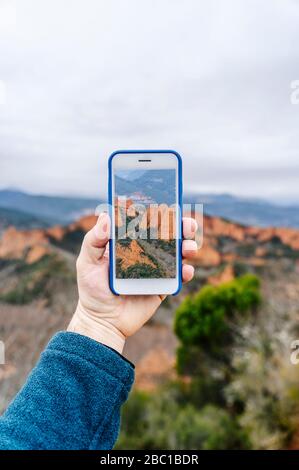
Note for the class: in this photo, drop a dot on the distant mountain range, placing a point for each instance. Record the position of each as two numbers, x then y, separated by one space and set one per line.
20 220
158 185
29 211
247 211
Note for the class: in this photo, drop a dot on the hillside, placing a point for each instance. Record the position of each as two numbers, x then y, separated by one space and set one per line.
224 241
38 295
63 210
20 220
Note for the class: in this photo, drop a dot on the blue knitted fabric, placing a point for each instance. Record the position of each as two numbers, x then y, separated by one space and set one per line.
71 399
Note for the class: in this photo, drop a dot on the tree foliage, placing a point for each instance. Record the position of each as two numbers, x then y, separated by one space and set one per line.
205 317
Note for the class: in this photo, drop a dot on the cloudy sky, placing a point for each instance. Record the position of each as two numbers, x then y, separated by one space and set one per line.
211 79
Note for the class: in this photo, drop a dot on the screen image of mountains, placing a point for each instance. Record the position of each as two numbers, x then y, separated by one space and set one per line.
145 223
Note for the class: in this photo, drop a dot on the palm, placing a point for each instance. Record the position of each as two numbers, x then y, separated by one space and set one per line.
123 312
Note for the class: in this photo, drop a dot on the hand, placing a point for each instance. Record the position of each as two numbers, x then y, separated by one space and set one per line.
100 314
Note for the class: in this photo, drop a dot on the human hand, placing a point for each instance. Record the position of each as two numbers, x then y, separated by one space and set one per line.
101 315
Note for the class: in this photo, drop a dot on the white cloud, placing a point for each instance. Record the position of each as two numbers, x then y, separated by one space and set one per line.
8 17
210 79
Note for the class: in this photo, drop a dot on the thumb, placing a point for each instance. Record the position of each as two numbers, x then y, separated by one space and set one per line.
95 241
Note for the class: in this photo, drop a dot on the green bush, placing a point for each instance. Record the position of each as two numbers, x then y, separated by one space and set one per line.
160 422
204 316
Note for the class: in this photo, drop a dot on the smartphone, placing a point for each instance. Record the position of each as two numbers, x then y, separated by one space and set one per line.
145 200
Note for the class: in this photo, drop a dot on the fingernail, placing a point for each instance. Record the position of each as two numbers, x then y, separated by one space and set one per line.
191 245
101 226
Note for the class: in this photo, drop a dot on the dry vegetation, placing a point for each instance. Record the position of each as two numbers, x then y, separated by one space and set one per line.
255 403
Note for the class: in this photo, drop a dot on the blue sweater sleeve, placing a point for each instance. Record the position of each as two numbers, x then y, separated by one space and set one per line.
71 399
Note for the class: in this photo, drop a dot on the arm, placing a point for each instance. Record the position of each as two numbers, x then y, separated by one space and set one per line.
73 396
71 400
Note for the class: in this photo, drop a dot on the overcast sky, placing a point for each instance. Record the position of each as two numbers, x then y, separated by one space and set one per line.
210 79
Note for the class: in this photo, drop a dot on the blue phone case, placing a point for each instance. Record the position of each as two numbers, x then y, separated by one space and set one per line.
180 196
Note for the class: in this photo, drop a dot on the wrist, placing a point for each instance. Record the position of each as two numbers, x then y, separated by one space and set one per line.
97 329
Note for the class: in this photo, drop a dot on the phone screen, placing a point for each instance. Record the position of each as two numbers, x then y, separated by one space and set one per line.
144 196
145 223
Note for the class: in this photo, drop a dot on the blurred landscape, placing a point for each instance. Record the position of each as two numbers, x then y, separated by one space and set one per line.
218 82
25 210
213 366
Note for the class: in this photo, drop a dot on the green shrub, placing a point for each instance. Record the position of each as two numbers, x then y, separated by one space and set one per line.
204 316
160 422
